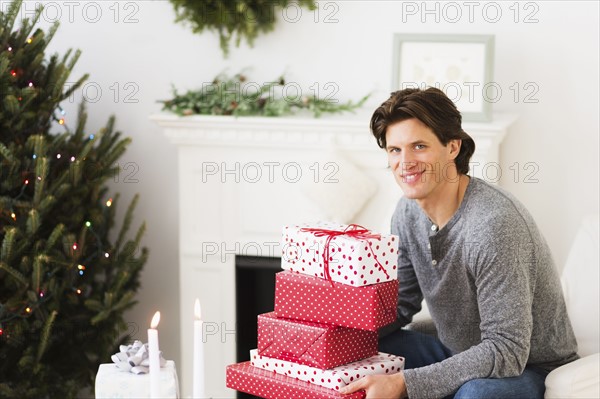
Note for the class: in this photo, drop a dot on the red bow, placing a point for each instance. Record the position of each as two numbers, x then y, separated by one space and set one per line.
354 231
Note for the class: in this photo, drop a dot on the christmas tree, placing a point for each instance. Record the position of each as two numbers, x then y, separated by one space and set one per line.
66 277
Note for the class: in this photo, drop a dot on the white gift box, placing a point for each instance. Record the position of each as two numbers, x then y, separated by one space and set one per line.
334 378
356 256
112 382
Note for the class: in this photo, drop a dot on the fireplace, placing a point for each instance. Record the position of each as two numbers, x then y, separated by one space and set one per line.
241 180
255 293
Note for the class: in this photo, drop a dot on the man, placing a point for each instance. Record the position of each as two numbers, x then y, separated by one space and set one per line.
474 253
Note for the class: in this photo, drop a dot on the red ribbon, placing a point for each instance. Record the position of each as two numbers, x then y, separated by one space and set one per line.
353 230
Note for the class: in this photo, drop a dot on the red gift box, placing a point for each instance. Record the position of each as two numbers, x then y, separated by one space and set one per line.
265 384
335 378
309 298
349 254
319 345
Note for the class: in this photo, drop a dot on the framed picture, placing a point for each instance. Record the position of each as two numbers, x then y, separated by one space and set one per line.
459 65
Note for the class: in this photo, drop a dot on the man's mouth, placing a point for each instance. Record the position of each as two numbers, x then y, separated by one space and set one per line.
411 177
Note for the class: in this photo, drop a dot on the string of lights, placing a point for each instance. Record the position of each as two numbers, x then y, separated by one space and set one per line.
24 310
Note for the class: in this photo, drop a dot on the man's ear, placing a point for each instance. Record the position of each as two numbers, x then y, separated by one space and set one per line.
454 146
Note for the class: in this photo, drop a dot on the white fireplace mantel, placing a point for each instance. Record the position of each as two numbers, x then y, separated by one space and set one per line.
242 179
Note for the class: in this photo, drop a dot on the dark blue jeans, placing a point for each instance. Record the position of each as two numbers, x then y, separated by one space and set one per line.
421 350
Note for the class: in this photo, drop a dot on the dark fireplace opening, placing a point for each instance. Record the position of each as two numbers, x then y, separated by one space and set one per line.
255 294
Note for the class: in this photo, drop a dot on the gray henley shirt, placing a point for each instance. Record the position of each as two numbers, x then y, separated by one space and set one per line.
491 286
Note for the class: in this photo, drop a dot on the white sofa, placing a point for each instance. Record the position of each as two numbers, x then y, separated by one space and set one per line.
580 279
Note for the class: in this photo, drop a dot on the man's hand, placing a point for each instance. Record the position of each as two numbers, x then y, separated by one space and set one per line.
379 386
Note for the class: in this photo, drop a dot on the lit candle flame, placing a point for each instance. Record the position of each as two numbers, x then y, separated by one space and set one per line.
197 309
155 320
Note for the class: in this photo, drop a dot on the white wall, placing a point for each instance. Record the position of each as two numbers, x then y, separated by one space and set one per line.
558 135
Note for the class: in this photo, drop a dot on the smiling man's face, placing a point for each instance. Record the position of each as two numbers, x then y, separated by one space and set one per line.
421 164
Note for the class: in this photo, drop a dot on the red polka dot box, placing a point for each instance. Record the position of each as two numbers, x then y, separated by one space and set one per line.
309 298
266 384
348 254
319 345
335 378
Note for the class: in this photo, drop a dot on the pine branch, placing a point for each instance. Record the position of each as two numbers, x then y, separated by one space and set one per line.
55 236
8 19
33 222
232 18
46 335
75 86
238 97
41 171
6 153
36 276
126 222
13 273
8 244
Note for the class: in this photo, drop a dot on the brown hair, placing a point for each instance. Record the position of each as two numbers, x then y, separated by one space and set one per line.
432 107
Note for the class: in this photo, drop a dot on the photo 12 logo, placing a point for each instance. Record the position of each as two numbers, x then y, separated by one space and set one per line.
220 251
294 252
252 91
74 11
255 172
272 10
119 92
470 11
469 95
92 92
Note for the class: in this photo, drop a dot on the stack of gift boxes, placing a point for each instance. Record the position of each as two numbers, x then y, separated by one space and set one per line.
338 287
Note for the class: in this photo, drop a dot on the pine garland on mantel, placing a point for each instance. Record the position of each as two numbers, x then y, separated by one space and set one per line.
238 96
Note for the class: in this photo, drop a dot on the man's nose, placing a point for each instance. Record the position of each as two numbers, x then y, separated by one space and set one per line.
407 160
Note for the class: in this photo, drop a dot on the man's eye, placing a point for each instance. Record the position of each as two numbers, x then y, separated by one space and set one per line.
393 149
419 146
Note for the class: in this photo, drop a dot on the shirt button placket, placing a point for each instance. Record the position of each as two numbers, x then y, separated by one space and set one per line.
433 262
434 229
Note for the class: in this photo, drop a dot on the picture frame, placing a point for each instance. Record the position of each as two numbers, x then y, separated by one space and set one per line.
459 65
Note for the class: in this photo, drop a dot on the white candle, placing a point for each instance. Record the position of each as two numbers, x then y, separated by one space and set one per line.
198 353
154 357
